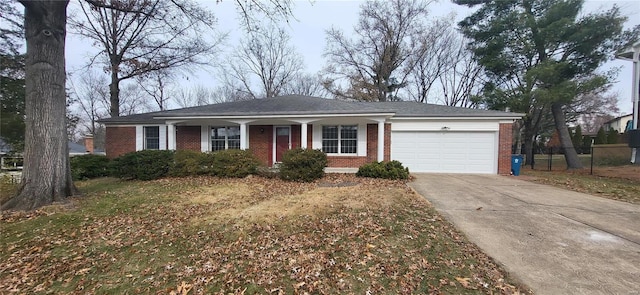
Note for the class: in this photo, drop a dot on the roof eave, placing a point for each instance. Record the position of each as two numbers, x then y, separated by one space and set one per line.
275 116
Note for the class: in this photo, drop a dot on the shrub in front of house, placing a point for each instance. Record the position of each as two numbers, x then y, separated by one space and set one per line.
89 166
143 165
188 163
230 163
303 165
385 169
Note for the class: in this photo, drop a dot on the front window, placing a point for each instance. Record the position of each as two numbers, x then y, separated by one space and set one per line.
223 138
151 138
340 139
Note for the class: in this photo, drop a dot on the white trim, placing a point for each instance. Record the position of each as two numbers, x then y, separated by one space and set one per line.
450 125
381 141
287 117
303 135
162 136
205 139
361 148
511 118
243 136
275 138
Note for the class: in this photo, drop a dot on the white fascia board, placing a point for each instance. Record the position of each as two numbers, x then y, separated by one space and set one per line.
126 125
448 125
288 117
511 118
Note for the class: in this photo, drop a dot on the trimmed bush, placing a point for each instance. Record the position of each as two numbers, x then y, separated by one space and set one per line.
143 165
387 170
230 163
304 165
89 166
188 163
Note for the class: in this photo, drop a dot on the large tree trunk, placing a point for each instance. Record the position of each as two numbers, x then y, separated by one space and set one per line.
46 177
114 92
570 154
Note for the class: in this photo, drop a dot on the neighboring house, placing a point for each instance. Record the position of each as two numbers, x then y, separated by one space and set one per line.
75 149
5 148
619 124
424 137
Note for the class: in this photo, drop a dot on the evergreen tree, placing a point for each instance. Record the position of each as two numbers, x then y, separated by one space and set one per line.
541 55
576 138
612 136
586 144
601 137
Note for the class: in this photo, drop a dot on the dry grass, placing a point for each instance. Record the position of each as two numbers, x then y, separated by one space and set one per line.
235 201
341 235
617 183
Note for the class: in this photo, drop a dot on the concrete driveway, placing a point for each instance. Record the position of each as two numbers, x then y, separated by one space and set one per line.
553 240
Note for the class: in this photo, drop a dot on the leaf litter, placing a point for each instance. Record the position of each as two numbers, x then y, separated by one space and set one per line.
254 235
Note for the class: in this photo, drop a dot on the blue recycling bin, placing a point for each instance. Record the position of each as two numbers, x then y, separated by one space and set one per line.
516 163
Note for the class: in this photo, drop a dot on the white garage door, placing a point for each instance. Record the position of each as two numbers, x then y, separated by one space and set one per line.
446 152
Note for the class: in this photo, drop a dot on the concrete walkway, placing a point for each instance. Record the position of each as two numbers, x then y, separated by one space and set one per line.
553 240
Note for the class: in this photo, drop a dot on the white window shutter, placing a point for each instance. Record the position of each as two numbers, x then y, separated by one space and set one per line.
362 140
162 131
139 138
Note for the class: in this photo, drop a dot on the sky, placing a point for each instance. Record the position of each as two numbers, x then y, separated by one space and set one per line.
312 18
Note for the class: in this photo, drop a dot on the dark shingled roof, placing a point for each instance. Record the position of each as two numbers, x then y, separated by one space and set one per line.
297 105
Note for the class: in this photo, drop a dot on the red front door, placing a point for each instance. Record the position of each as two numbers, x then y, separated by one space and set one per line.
283 141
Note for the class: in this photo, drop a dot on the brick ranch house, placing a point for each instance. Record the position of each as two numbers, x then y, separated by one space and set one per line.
424 137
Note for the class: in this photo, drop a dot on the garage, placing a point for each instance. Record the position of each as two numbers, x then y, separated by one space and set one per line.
446 151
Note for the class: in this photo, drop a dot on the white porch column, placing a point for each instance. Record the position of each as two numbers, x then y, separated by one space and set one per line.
380 140
303 135
243 135
171 136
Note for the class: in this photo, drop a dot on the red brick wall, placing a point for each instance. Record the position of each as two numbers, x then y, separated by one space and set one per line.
346 161
387 142
295 136
372 142
188 138
504 148
119 141
261 143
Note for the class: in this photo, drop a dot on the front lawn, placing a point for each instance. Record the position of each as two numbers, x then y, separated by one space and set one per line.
618 186
341 235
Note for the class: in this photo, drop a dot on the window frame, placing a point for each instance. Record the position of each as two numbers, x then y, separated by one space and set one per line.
146 138
230 142
340 140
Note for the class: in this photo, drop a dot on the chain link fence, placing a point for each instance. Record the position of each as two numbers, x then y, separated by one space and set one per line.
604 155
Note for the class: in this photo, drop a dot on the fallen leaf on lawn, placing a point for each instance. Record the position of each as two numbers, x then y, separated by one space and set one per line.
463 281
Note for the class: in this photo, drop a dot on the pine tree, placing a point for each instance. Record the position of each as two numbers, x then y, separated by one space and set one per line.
576 138
612 136
601 137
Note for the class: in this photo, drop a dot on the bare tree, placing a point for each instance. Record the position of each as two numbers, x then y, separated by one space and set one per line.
462 81
91 96
200 95
138 37
375 62
306 84
46 176
432 59
156 84
265 56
